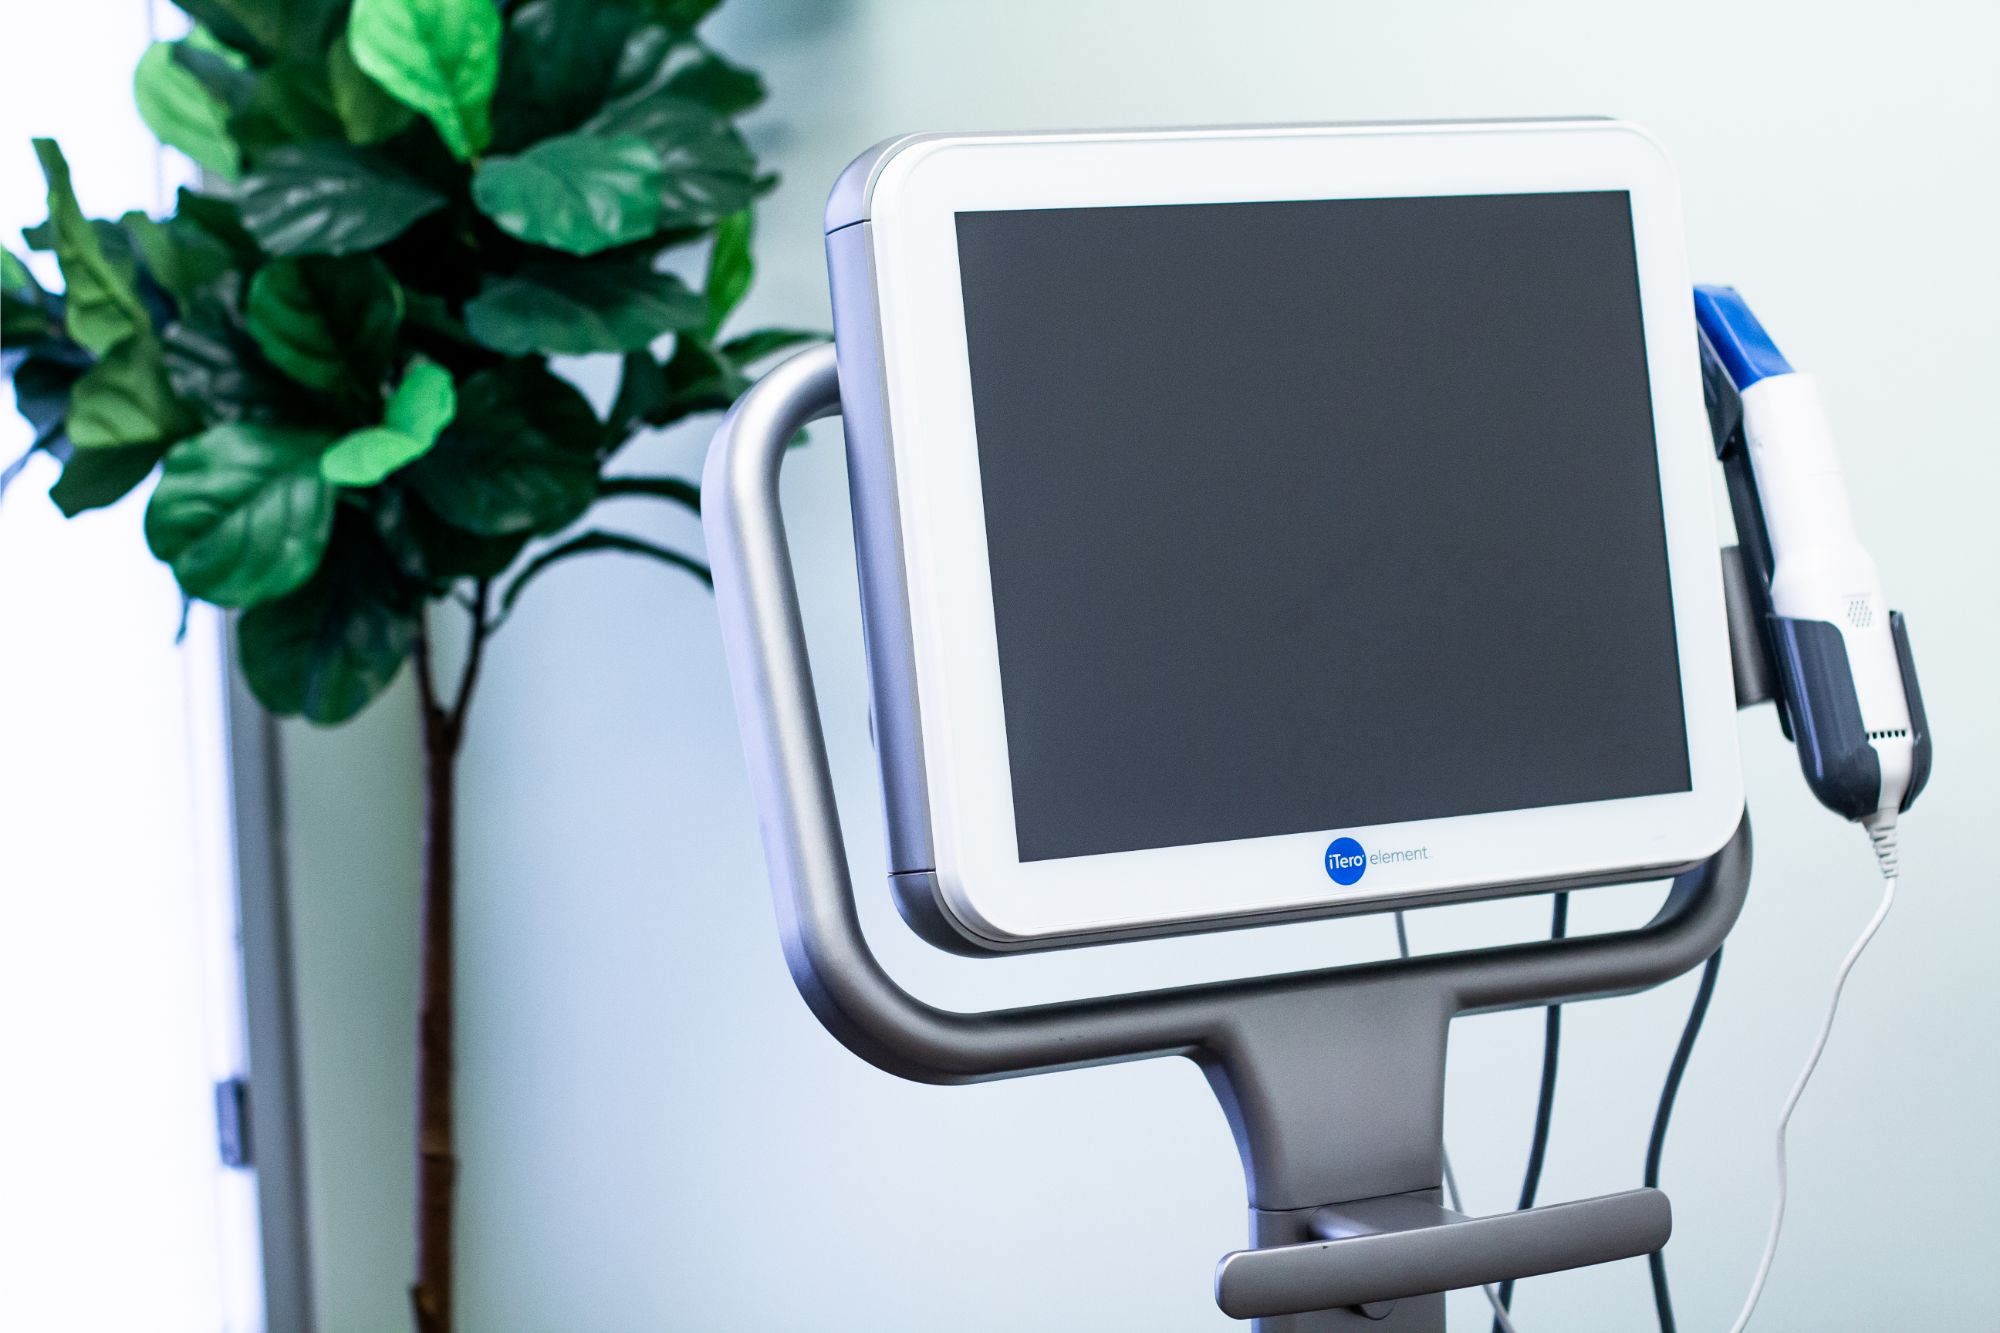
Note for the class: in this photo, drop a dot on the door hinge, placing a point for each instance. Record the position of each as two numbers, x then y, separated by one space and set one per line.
232 1121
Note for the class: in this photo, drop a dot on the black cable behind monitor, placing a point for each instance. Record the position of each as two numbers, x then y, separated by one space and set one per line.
1538 1149
1663 1301
1656 1143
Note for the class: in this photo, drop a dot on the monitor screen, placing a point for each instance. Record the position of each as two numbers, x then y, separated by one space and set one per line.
1313 515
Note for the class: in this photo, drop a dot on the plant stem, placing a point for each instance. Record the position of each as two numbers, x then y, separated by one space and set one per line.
437 1156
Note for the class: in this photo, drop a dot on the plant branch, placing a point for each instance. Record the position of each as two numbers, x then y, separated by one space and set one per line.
681 492
420 655
481 630
595 540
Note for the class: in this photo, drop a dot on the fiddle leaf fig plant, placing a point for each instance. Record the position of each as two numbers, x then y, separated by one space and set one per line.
335 355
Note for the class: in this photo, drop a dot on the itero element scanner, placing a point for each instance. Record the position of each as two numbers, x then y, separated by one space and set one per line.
1131 679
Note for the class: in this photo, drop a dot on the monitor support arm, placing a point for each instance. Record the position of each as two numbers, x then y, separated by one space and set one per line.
1332 1080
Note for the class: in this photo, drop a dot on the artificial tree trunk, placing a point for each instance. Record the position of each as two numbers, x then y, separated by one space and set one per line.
437 1159
437 1151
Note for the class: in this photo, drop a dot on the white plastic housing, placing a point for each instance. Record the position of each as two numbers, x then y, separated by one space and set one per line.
1821 570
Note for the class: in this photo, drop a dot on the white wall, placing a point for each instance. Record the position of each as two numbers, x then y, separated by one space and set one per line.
656 1134
120 993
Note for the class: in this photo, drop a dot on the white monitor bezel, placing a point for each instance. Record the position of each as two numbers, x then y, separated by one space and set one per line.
913 197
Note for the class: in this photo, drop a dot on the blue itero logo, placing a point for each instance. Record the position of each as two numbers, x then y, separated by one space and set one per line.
1345 861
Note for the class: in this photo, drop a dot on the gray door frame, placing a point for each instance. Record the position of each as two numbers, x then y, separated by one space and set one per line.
277 1149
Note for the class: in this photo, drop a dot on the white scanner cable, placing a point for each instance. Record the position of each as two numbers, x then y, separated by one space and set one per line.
1883 835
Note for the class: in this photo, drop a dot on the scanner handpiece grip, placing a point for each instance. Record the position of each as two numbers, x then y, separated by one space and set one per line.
1825 591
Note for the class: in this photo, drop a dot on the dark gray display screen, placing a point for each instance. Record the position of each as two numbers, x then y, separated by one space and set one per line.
1310 515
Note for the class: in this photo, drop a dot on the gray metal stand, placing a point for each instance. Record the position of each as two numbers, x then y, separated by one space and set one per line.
1332 1080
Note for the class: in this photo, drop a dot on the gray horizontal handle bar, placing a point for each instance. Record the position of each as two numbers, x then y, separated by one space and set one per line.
1386 1249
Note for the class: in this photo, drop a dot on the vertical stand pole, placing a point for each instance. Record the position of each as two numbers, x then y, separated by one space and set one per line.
1337 1095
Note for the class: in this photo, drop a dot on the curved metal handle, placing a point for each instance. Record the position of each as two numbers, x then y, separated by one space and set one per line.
777 710
1381 1250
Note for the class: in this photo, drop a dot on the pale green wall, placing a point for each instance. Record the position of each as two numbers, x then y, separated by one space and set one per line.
656 1133
350 799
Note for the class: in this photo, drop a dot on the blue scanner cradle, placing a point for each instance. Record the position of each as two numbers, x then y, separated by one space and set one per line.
1846 682
1735 338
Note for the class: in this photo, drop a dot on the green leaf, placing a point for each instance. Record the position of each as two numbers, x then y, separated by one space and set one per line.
422 406
111 239
557 64
28 315
330 199
290 102
424 403
643 61
683 15
16 278
328 323
365 457
42 387
266 28
438 552
182 258
367 113
573 309
241 512
102 304
726 89
729 268
286 100
438 57
183 113
222 73
520 456
432 314
754 347
93 478
642 396
236 25
24 324
217 219
701 378
696 378
701 381
216 367
710 172
325 651
598 540
125 399
578 192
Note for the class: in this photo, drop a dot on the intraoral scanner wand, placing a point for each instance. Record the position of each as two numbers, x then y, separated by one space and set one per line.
1849 690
